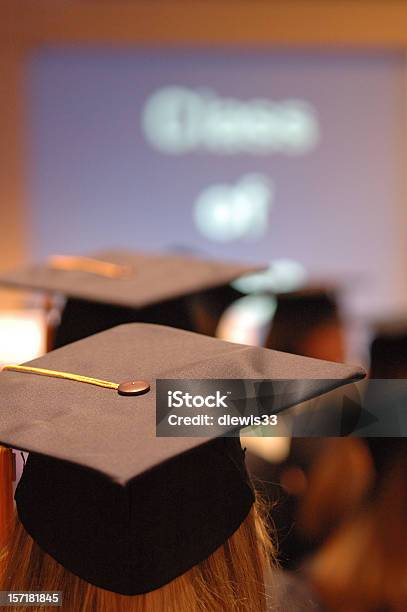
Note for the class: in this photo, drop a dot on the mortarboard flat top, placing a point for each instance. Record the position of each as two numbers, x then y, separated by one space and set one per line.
74 421
150 278
115 505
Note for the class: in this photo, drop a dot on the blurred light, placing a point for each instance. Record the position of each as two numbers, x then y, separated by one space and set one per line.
20 459
227 212
22 336
245 320
274 450
178 120
282 275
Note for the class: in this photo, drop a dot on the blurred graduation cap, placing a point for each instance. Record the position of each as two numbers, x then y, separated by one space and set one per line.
115 287
114 504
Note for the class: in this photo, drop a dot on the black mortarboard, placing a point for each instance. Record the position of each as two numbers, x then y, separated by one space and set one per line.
114 504
115 287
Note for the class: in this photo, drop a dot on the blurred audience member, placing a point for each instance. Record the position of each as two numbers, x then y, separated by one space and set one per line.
313 491
363 565
308 323
207 307
338 481
388 350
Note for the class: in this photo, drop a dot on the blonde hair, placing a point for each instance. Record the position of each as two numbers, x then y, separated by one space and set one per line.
230 580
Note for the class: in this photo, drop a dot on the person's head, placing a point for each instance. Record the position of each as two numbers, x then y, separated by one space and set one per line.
207 307
109 494
363 566
339 476
308 323
231 578
139 536
388 351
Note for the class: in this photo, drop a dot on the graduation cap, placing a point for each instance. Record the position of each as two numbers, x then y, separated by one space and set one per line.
114 504
114 287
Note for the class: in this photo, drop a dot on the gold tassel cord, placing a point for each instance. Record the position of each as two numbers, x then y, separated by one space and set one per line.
66 375
128 387
87 264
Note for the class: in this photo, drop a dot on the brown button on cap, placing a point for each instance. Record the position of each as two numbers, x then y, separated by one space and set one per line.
133 387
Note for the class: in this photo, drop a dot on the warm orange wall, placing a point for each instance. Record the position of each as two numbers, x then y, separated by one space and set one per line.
287 22
25 26
11 139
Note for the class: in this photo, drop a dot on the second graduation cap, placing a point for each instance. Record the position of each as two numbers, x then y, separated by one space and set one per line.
117 286
114 504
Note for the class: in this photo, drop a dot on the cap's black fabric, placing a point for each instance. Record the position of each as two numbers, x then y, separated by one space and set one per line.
136 538
162 288
154 278
82 318
100 429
